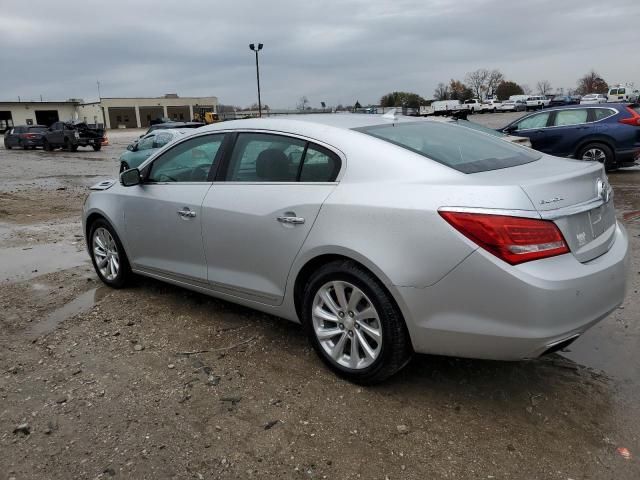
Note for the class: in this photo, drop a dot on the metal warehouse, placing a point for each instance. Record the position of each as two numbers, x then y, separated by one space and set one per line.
112 112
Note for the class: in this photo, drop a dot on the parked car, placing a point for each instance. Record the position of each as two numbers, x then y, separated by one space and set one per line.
382 235
609 133
173 125
623 94
150 143
537 102
513 106
69 136
491 105
443 107
524 141
593 98
24 136
474 105
560 100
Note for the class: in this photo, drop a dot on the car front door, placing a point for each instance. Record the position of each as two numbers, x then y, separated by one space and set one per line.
13 139
534 127
256 218
163 215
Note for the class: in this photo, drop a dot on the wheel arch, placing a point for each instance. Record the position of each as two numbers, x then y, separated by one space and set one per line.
315 262
604 139
91 218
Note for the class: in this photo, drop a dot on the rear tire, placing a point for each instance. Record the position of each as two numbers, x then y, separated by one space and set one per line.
8 147
108 256
97 147
334 321
599 152
47 146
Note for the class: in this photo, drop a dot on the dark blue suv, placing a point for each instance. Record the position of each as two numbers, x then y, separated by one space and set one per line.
607 133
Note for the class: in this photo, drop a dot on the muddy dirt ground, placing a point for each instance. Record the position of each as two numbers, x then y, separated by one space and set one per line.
98 383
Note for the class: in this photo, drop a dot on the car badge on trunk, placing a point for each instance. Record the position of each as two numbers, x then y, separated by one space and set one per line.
602 190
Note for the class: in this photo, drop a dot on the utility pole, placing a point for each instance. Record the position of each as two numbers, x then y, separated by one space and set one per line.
252 46
99 96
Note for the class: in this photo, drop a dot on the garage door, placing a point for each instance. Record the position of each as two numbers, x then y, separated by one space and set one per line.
180 114
122 117
47 117
150 113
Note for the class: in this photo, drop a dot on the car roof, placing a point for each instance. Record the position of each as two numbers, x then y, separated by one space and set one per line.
343 121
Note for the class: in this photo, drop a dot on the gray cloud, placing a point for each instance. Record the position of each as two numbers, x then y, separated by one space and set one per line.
333 51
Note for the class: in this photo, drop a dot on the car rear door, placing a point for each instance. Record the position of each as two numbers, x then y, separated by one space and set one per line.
163 215
256 218
568 128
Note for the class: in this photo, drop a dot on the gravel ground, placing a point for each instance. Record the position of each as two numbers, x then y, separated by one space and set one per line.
99 383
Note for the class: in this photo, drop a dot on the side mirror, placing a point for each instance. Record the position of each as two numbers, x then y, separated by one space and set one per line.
130 177
510 129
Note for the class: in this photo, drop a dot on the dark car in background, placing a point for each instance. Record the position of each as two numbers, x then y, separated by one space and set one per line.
608 133
561 100
24 136
69 136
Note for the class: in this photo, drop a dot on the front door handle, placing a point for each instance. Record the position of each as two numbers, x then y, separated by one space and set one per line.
291 220
186 213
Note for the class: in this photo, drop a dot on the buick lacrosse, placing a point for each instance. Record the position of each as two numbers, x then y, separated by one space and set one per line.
381 235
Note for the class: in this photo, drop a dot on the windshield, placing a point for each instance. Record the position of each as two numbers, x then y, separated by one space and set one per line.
458 147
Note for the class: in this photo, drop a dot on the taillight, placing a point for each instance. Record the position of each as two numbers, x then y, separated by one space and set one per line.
512 239
633 120
27 135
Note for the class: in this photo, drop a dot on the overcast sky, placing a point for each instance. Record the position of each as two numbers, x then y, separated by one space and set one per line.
337 51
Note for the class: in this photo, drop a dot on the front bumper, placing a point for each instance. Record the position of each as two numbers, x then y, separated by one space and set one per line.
486 308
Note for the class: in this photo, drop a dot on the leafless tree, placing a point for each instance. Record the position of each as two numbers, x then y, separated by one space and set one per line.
493 80
526 89
477 81
302 103
441 92
544 87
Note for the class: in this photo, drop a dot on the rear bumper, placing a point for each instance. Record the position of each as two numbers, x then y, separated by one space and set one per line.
628 157
486 308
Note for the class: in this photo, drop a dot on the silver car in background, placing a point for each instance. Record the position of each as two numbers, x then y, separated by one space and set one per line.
382 235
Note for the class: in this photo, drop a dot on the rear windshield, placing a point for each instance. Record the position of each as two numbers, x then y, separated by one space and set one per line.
460 148
38 129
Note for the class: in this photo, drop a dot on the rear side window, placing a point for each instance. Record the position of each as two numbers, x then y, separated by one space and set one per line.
456 147
263 157
602 113
570 117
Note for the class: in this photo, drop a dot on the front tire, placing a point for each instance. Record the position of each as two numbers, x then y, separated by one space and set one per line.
96 147
353 323
108 256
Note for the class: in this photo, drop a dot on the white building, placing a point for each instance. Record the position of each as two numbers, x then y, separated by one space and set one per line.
112 112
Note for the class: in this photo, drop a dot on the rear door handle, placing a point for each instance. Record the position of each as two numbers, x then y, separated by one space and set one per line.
291 220
186 213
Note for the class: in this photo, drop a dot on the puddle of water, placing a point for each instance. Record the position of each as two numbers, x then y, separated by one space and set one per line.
609 347
23 263
78 305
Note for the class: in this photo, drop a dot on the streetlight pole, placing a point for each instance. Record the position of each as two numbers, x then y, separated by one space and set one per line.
253 47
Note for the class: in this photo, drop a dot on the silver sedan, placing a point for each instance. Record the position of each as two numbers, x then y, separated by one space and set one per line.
382 235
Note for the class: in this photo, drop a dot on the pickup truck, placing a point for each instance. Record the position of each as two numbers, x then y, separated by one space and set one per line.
443 107
536 102
69 136
474 105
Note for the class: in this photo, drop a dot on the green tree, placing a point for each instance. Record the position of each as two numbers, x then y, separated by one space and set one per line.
402 99
507 88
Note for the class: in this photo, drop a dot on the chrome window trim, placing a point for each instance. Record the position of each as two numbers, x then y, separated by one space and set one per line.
586 107
493 211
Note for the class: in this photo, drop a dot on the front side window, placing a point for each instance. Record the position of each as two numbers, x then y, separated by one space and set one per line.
621 91
570 117
534 121
189 161
261 157
457 147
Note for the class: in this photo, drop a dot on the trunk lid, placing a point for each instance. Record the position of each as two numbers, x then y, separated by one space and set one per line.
573 194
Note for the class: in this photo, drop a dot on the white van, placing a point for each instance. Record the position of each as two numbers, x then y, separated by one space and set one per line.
622 94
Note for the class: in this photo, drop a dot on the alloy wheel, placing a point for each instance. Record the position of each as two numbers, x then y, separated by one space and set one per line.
347 325
105 252
594 155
